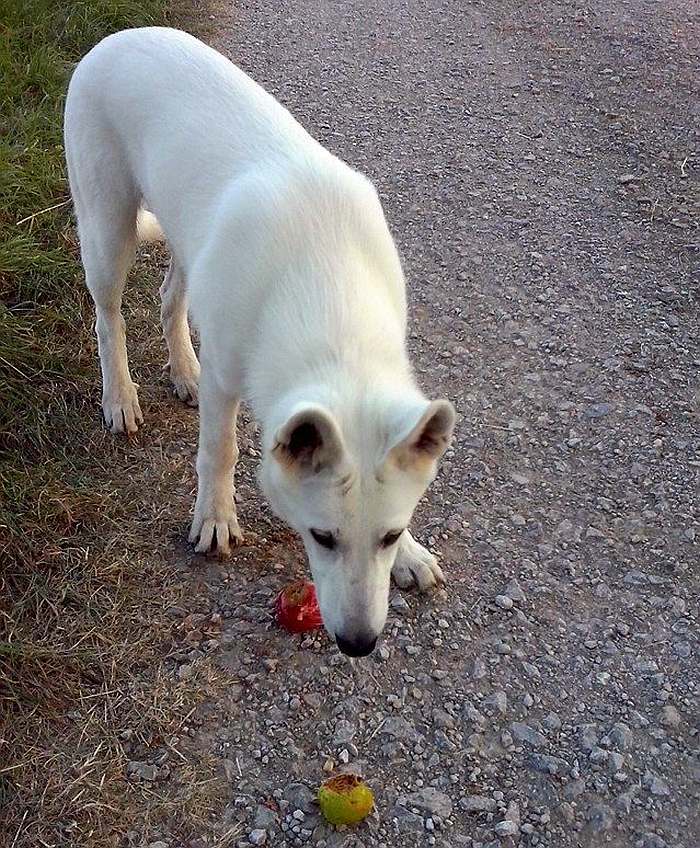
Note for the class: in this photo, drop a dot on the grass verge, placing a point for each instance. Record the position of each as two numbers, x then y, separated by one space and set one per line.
78 619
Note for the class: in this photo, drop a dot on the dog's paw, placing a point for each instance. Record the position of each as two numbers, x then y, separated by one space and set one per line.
121 410
185 381
416 566
214 531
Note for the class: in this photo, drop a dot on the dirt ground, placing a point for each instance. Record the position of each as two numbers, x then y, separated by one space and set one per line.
538 164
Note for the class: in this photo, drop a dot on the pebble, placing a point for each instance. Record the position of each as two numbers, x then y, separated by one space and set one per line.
478 804
504 602
620 736
587 736
551 722
655 784
600 818
514 591
141 771
432 801
479 669
506 828
670 717
525 733
399 603
546 763
257 837
498 702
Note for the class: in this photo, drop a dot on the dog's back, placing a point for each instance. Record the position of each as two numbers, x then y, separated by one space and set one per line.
174 112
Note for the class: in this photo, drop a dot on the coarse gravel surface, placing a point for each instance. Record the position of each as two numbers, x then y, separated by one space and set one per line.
538 165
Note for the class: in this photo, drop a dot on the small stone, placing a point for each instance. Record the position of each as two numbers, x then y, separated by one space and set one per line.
506 828
257 837
575 788
546 764
477 804
598 755
344 733
531 670
615 761
588 737
443 719
300 797
479 669
551 722
141 771
264 818
655 784
624 801
620 736
406 821
432 801
399 603
497 701
600 818
185 672
598 410
504 602
525 733
514 591
682 649
670 717
399 728
651 840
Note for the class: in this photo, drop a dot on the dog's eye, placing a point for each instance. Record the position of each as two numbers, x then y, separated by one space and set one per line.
325 540
391 538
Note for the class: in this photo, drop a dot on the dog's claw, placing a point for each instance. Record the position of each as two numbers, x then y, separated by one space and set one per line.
215 535
416 566
185 381
121 410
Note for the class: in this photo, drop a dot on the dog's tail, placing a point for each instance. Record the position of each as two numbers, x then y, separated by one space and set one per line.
147 227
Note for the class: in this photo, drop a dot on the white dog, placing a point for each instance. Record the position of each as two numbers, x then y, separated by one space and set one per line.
284 258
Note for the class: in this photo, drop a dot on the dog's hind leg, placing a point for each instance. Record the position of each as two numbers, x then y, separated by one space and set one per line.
107 227
415 566
183 365
106 202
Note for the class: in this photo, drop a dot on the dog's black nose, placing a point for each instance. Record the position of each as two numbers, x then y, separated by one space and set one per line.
358 646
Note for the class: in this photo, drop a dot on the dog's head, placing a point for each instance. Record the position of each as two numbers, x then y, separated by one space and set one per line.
349 488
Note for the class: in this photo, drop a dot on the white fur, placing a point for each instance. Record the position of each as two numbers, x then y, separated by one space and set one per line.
284 257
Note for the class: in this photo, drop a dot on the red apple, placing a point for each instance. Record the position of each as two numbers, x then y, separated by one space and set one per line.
297 608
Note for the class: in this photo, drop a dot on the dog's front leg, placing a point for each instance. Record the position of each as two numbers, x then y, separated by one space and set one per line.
215 523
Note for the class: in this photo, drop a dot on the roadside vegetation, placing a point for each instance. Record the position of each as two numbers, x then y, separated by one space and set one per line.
77 620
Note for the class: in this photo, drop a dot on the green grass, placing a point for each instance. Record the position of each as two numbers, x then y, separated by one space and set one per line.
42 301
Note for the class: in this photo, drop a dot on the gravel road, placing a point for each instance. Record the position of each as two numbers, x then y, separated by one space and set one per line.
538 164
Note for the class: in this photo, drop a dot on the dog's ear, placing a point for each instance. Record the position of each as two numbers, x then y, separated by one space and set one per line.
428 438
309 441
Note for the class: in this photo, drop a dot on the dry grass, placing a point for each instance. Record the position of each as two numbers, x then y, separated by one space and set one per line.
86 580
86 631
